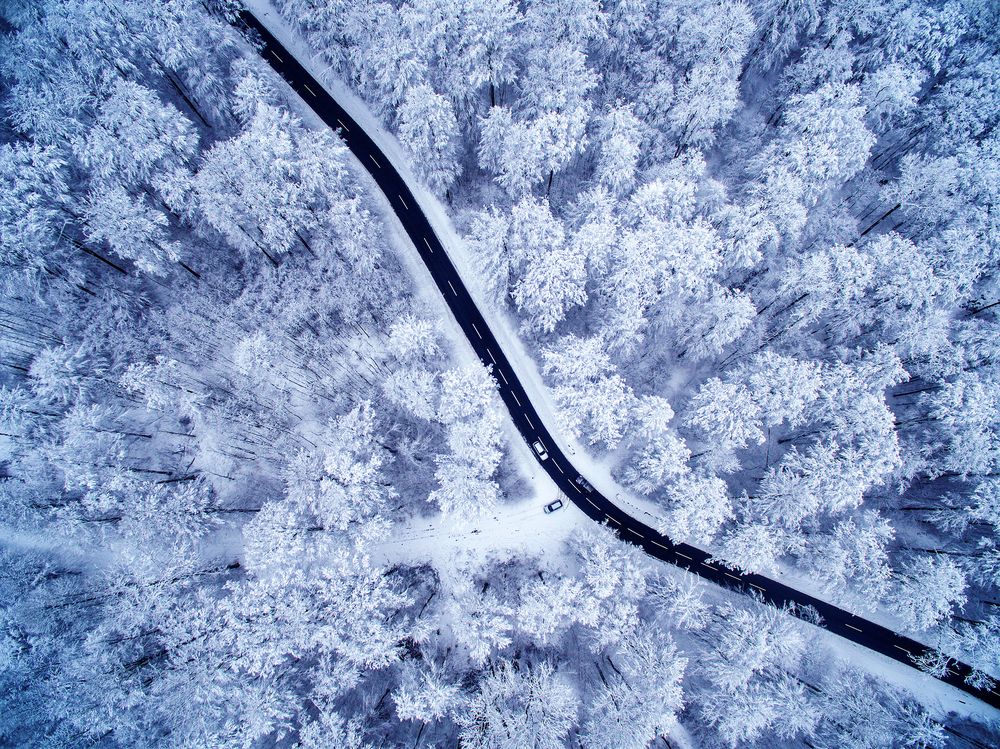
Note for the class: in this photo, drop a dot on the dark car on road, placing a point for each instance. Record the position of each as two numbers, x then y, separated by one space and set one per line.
584 484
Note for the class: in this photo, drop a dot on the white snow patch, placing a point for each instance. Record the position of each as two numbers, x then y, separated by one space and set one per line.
520 529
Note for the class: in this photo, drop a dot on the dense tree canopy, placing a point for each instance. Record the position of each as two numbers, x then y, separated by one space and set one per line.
254 491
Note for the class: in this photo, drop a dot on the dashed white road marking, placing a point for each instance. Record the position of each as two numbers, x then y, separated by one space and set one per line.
474 326
403 202
346 129
515 397
529 420
706 564
732 576
852 627
635 532
277 55
500 372
658 544
376 162
683 555
432 252
306 86
558 466
758 588
494 360
611 518
452 289
591 503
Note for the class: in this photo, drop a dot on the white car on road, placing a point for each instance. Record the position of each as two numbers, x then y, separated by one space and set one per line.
540 450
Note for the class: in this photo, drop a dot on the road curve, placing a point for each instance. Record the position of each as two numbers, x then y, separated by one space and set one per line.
525 417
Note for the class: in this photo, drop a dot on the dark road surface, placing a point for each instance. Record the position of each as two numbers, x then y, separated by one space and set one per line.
526 419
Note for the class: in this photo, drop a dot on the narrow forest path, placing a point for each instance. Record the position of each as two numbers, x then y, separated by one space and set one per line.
527 420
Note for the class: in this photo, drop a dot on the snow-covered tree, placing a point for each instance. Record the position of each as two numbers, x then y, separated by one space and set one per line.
426 693
639 699
132 228
890 94
332 728
413 337
592 399
530 706
784 387
134 135
513 150
481 622
854 553
822 142
753 641
428 129
550 607
665 256
263 189
965 410
487 239
711 45
697 506
614 583
552 284
878 715
554 99
928 588
467 45
681 600
32 202
754 547
659 461
721 319
746 232
781 22
725 414
471 412
619 141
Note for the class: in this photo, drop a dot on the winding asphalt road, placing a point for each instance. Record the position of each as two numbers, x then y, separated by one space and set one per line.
525 417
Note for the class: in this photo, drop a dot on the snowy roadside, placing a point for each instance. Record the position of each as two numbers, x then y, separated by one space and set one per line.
519 529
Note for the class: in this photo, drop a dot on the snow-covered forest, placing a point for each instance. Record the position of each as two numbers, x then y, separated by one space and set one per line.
753 248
